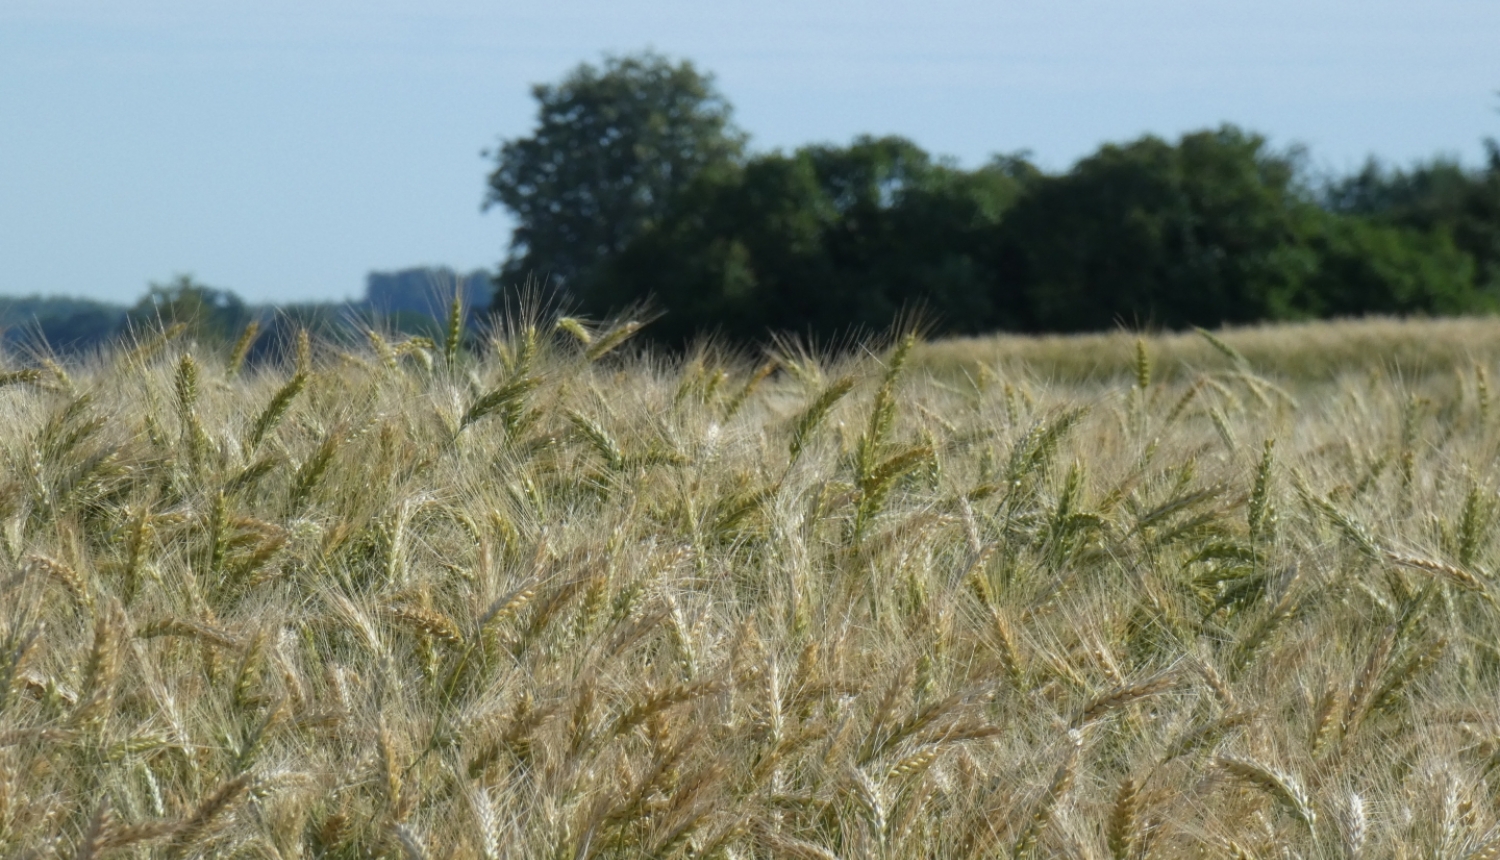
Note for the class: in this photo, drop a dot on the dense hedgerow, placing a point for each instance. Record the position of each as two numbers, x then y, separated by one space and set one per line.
553 599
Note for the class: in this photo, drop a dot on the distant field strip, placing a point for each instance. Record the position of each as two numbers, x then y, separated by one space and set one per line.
1314 351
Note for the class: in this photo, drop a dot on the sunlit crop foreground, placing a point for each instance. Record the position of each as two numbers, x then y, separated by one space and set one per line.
543 597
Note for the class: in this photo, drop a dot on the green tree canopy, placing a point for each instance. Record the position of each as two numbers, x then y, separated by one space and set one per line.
1365 267
821 240
1437 196
1198 233
611 148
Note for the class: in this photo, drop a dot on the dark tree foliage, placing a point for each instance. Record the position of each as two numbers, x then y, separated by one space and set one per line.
1438 196
820 241
612 146
1203 232
1365 267
60 324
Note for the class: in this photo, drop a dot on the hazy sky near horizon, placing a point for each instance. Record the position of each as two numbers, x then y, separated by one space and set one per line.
284 149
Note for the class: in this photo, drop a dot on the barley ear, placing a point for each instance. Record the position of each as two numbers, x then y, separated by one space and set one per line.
1482 391
1260 495
1225 349
241 349
275 410
1124 820
815 412
1062 783
454 336
1354 829
1281 787
207 813
576 329
97 838
304 352
611 339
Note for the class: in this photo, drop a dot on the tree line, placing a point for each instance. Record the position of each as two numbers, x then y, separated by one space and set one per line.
636 187
408 302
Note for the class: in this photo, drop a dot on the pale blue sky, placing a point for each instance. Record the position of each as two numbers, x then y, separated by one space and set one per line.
284 149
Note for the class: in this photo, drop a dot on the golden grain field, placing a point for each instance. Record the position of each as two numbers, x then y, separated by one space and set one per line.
548 597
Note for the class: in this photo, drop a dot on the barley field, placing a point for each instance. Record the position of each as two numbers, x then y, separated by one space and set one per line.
544 595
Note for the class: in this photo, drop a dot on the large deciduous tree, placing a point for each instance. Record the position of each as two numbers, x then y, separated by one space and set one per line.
612 146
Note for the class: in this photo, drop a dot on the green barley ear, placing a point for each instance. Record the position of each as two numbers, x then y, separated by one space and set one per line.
275 410
1482 390
575 328
1473 527
883 415
148 350
875 485
611 339
137 547
598 439
527 353
1038 445
760 375
814 414
508 400
455 334
311 474
187 384
241 349
1228 351
1260 496
28 376
1142 365
187 401
1184 401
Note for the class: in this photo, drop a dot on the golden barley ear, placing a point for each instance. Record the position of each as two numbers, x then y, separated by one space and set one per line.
97 837
1062 783
207 815
1282 787
1124 820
